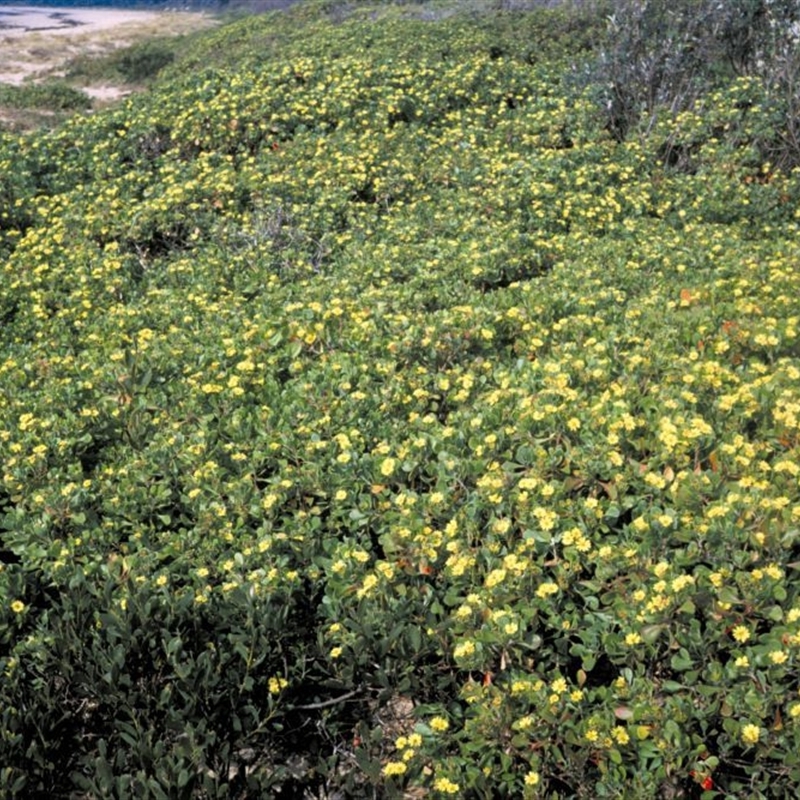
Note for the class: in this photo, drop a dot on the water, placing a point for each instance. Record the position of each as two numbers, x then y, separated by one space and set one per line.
67 4
50 14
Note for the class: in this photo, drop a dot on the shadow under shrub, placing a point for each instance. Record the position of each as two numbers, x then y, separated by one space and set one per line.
121 691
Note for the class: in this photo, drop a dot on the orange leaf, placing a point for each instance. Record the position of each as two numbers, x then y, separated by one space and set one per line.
777 725
728 327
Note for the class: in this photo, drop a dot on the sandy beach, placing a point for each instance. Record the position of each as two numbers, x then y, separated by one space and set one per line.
19 20
39 42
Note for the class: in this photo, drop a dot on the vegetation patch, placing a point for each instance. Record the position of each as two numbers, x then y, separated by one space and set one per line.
55 95
137 64
383 417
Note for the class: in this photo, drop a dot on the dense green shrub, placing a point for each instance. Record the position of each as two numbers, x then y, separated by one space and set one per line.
154 692
142 62
52 95
662 57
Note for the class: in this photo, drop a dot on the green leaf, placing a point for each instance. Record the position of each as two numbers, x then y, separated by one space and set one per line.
727 595
776 612
651 633
681 661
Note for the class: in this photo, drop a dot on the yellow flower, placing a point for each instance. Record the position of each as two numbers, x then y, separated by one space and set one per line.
370 582
546 589
387 467
740 633
18 606
439 724
336 652
750 734
532 778
464 649
495 577
394 768
200 598
621 735
778 657
446 786
277 684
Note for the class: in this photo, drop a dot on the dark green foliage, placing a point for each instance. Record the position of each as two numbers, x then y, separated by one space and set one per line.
142 62
53 95
158 695
662 56
137 64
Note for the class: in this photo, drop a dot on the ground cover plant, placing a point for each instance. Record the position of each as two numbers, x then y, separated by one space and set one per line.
378 420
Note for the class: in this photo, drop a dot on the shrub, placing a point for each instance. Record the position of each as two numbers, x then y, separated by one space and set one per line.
53 95
662 56
780 72
142 62
657 58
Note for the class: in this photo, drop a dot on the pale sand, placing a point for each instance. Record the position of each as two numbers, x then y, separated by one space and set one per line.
19 20
41 41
